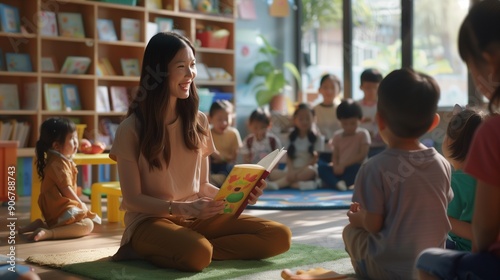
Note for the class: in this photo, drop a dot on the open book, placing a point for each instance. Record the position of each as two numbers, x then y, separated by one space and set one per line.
243 179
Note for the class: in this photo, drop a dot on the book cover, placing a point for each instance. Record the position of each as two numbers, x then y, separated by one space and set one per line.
153 4
30 96
48 23
48 64
9 97
106 30
107 68
71 97
164 24
53 100
102 99
130 30
119 98
243 179
151 30
75 65
71 25
9 16
18 62
130 66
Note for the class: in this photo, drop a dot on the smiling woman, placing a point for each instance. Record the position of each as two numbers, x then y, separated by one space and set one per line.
162 150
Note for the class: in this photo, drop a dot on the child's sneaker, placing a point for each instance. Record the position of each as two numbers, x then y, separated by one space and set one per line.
341 185
272 186
307 185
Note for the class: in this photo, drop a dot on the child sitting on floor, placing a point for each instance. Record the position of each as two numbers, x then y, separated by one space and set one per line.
350 148
302 156
66 216
456 144
401 194
260 141
226 139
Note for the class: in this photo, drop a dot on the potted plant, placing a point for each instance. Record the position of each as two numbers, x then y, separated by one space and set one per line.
270 79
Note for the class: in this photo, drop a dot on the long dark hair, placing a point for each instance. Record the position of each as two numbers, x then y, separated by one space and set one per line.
461 129
311 135
52 130
478 33
151 102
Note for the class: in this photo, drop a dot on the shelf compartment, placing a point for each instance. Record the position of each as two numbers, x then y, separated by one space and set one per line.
116 16
86 92
60 50
85 8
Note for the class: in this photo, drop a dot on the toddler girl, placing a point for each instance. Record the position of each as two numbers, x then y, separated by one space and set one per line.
66 216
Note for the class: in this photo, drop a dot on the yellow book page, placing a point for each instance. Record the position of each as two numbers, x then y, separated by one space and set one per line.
238 184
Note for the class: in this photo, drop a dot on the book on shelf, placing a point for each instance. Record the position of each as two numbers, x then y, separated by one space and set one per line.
130 66
75 65
9 97
30 96
119 98
9 16
202 72
71 25
102 99
130 30
219 74
151 30
19 132
5 130
164 24
243 179
106 67
153 4
48 64
53 100
71 97
18 62
106 30
48 23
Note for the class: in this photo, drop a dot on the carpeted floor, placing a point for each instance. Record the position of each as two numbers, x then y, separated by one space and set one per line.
291 199
95 264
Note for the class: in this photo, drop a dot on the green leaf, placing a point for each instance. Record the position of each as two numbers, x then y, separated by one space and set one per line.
275 81
295 72
264 96
263 68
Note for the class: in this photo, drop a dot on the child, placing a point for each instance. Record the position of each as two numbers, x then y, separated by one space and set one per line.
350 148
400 195
479 47
66 216
226 138
260 141
370 80
302 156
326 112
456 144
171 217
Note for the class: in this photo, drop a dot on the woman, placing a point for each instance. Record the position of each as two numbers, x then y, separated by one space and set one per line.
162 149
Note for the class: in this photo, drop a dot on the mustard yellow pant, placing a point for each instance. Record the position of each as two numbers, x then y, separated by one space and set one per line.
192 245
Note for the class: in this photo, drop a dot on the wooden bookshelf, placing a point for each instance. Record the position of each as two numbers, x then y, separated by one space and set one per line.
37 46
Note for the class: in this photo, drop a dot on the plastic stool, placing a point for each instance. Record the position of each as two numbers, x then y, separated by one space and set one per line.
113 193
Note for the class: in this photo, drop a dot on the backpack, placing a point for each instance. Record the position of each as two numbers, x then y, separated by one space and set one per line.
272 142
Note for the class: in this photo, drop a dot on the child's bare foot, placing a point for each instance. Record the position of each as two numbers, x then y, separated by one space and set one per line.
125 253
311 274
38 223
40 234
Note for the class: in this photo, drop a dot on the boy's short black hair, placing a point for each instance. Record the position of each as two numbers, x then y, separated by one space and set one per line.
220 104
348 108
260 115
371 75
407 102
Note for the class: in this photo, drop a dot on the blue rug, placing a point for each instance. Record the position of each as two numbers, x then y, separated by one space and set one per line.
291 199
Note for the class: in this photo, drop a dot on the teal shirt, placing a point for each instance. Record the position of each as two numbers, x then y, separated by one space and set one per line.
462 205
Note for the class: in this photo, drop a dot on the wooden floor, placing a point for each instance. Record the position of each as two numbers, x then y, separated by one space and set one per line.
317 227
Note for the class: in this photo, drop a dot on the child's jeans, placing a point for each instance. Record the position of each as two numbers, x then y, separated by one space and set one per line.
330 180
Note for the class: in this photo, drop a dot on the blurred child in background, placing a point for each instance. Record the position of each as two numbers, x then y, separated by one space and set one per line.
226 138
302 157
350 148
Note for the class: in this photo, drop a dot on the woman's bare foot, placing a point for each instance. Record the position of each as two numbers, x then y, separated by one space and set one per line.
38 223
126 252
40 234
